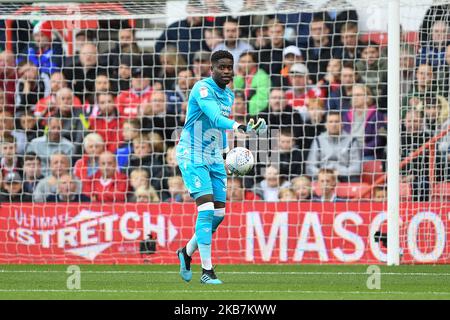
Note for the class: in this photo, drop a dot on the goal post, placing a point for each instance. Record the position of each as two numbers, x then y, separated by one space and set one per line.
393 133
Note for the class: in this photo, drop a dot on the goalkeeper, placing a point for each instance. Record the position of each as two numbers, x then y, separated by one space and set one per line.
200 153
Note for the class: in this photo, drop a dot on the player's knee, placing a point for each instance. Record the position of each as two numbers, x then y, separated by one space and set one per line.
203 227
204 199
219 215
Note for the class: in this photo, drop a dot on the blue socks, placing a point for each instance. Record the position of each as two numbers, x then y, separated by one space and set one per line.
203 233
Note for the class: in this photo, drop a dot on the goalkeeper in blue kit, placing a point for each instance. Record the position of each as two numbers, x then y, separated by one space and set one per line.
200 153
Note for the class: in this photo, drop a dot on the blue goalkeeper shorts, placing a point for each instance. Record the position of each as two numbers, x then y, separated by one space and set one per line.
201 179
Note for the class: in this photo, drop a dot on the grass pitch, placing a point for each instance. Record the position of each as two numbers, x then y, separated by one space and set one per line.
240 282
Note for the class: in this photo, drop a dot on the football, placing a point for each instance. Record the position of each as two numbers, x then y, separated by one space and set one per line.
239 161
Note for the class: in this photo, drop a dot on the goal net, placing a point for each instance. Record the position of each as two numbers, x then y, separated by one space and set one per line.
94 96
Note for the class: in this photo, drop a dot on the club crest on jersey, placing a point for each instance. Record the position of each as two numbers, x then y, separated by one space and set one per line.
203 92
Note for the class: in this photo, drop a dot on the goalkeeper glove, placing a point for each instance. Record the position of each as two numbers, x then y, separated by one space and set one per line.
259 127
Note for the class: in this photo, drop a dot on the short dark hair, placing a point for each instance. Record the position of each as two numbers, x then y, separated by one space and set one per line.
221 54
231 19
334 113
31 156
251 54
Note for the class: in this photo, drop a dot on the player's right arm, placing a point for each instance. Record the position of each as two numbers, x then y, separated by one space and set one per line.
211 108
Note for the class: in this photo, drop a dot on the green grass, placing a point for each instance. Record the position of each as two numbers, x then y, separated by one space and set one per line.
240 282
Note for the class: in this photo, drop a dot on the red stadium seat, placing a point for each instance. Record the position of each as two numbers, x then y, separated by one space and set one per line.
377 37
371 171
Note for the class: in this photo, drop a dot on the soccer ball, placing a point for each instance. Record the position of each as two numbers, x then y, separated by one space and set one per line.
239 161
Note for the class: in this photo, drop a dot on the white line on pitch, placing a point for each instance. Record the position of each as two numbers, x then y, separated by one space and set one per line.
225 291
233 272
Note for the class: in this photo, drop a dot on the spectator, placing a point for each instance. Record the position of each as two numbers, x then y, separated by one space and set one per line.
340 96
372 70
239 107
286 194
232 41
314 124
291 56
51 143
42 54
213 37
289 157
86 167
107 122
146 195
122 75
155 118
443 75
171 62
407 67
170 168
7 128
129 102
146 156
31 86
9 159
46 107
255 83
237 193
201 65
424 86
348 50
73 121
82 37
433 52
108 184
271 55
332 78
102 85
59 165
32 172
185 82
280 115
130 131
66 191
127 44
366 123
177 191
416 172
302 188
29 126
298 92
435 113
319 47
268 188
327 181
12 189
187 34
379 194
81 71
138 178
337 150
8 77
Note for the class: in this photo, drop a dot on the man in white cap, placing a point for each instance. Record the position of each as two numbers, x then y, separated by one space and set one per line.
300 91
291 55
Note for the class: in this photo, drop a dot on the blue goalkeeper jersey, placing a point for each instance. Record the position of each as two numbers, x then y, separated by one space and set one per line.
207 118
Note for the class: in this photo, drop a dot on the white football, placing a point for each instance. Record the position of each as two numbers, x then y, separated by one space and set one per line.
239 161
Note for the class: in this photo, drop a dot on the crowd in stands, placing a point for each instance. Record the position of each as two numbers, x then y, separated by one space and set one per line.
103 125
